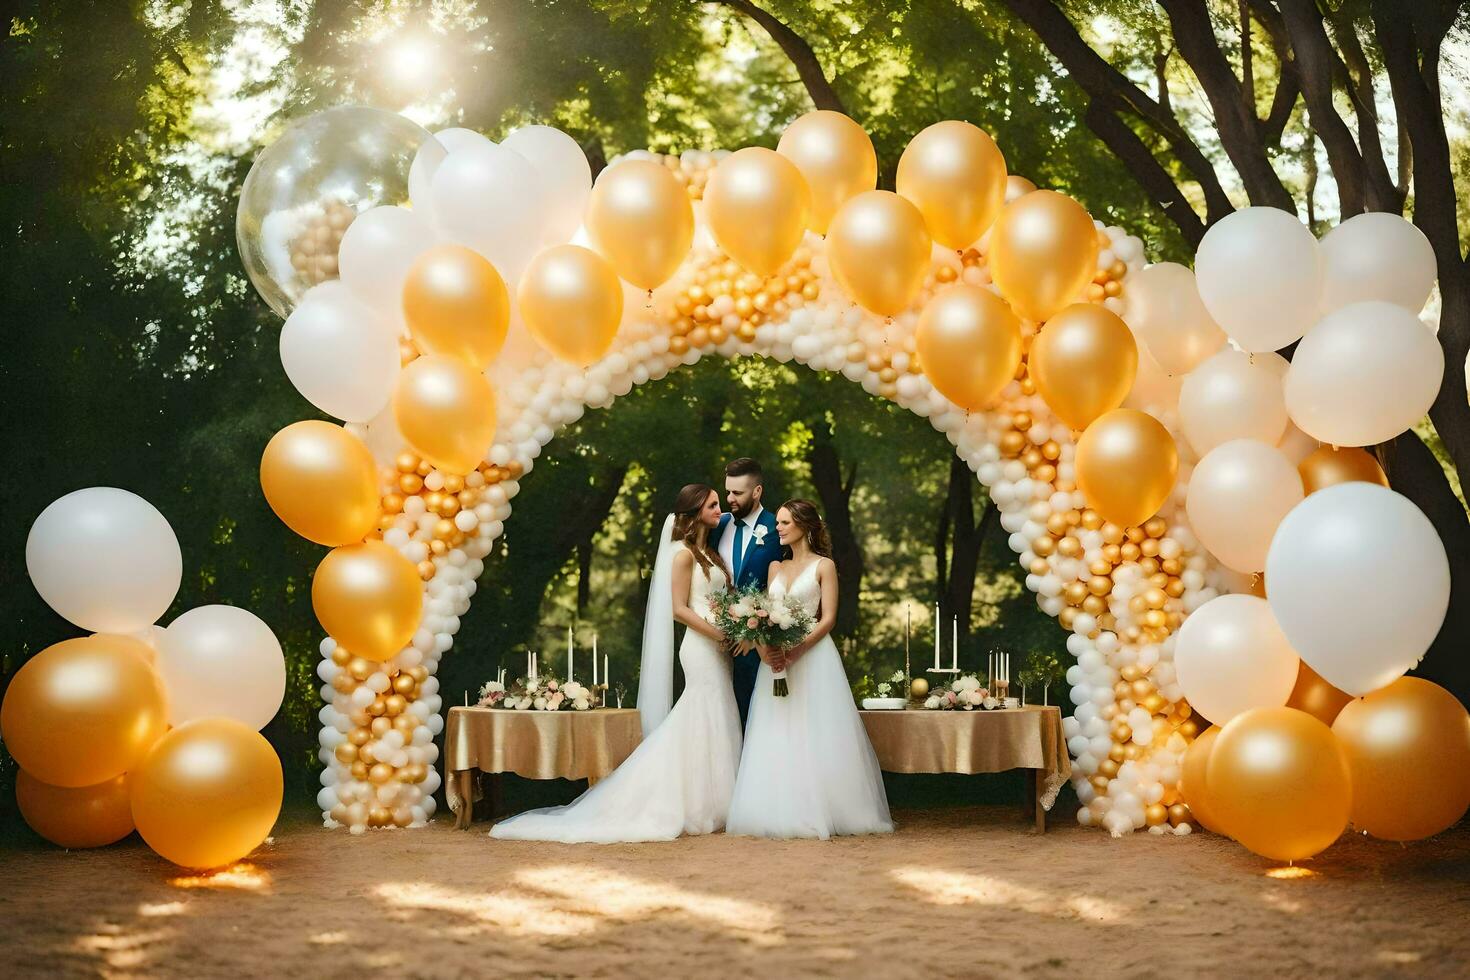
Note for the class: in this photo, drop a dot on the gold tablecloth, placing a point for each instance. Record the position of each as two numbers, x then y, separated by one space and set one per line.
974 742
537 744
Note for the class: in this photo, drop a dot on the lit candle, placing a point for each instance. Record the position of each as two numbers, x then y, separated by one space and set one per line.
936 636
955 653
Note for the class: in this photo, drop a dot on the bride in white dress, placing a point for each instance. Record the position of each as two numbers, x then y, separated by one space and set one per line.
679 779
808 769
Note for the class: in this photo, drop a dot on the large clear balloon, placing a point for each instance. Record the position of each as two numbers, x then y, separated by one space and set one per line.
1260 276
1360 584
456 304
491 199
565 174
835 156
1408 746
1043 253
1083 362
1238 494
1231 656
1377 256
572 303
1363 375
83 711
208 793
305 189
220 661
321 482
1233 396
757 203
376 253
955 174
445 409
369 598
75 816
1167 314
105 559
640 220
969 343
879 251
1126 466
341 355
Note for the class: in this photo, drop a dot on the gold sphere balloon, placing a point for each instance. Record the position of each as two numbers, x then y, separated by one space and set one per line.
640 220
1279 783
1043 253
757 203
1192 779
1083 361
322 482
208 793
456 304
75 816
369 598
1408 747
1126 466
835 156
969 345
919 687
572 302
1315 696
83 711
445 409
1327 467
879 251
1017 186
955 174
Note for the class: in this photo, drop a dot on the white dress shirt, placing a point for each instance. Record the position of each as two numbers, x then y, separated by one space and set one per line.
727 540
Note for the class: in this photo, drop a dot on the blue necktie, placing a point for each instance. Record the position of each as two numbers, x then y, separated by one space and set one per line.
739 548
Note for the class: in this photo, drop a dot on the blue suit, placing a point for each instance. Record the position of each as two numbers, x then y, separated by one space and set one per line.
751 570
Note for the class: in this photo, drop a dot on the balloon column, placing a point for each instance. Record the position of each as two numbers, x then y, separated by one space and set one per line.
136 725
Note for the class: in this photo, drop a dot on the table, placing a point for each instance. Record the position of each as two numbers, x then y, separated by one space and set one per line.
1028 738
535 744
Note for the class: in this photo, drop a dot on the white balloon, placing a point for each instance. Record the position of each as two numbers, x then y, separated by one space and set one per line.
421 172
1154 391
565 174
1364 374
457 138
1233 396
1376 256
1168 316
1260 276
1360 583
342 358
1296 444
220 661
376 253
490 199
1238 494
1231 656
104 559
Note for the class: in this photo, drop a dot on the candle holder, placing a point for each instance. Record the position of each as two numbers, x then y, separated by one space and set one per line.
599 692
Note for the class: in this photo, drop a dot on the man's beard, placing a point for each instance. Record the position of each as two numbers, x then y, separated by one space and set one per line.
740 512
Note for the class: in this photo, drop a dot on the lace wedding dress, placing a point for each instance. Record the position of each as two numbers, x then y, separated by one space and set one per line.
678 781
808 769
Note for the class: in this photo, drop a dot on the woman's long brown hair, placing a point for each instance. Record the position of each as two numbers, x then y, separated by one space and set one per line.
689 529
804 514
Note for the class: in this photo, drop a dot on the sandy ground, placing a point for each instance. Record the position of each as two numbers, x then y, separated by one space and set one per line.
954 892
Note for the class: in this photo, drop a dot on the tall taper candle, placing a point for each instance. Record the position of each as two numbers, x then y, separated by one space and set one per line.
908 629
571 652
605 682
594 659
955 653
936 636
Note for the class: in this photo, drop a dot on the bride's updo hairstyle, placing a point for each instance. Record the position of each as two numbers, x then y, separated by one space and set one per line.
690 530
804 515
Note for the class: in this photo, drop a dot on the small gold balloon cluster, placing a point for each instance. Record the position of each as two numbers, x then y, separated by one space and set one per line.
314 249
722 300
411 475
1107 283
364 753
693 173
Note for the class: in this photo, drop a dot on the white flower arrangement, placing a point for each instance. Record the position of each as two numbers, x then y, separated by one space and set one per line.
538 694
965 693
885 688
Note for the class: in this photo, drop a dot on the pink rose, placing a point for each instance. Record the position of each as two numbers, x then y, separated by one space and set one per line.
752 623
762 613
551 685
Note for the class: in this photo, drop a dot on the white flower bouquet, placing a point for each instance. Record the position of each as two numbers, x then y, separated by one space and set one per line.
751 615
544 693
966 693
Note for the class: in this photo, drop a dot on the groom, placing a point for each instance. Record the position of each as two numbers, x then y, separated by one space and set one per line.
746 539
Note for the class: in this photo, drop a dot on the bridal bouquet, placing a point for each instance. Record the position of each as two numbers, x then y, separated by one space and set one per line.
543 693
751 615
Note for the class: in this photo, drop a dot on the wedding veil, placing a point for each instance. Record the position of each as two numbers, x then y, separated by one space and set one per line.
656 671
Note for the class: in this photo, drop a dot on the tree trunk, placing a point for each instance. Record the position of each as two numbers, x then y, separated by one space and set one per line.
823 95
968 536
847 550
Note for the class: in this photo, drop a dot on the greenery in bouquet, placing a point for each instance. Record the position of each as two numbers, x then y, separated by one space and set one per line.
965 693
750 615
544 693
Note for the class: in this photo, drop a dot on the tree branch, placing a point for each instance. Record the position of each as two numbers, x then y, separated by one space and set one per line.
1102 118
1383 194
823 95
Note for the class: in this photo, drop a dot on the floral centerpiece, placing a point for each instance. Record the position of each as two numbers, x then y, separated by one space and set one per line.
544 693
965 693
750 616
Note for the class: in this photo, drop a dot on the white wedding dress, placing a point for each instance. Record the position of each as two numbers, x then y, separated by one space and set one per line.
808 769
678 781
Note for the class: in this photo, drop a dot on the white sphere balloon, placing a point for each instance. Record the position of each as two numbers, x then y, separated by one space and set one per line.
220 661
1364 374
1168 316
565 174
1260 276
421 174
457 138
1377 256
1231 656
1233 395
376 253
490 199
339 354
1360 584
305 189
1238 494
104 559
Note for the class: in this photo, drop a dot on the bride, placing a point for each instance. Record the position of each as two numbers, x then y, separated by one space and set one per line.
808 769
679 779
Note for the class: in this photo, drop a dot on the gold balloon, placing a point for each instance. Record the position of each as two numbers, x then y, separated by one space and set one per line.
969 345
445 409
919 687
572 303
1192 781
640 219
1315 696
369 598
956 175
1126 466
879 251
75 816
1408 747
83 711
1017 186
835 156
456 304
1279 783
208 793
757 203
322 482
1327 467
1083 362
1043 253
